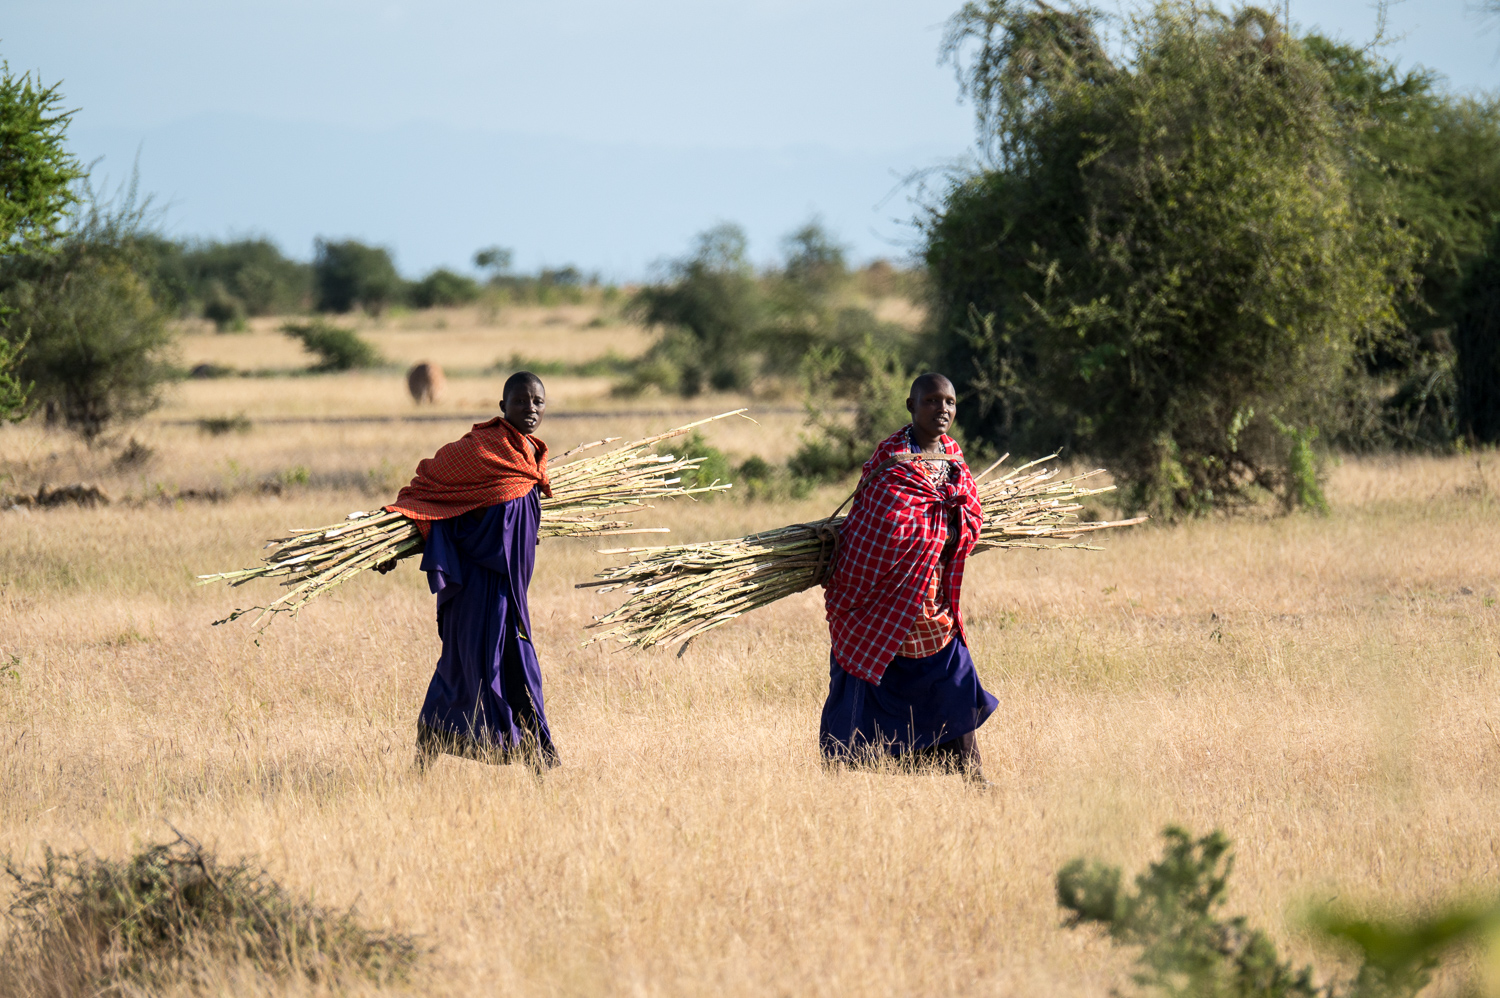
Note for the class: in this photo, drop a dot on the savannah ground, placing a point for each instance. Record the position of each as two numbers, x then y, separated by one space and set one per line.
1322 689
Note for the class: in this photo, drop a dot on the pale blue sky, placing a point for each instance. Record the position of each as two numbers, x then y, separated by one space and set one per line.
598 133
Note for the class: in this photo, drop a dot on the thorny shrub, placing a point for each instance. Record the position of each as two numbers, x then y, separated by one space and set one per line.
170 914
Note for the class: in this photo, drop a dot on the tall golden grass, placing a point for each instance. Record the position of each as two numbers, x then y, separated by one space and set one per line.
1326 690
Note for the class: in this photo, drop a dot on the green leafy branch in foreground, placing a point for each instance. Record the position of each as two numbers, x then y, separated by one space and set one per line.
1187 950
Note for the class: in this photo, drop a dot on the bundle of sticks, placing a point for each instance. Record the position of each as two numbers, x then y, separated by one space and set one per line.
587 496
676 593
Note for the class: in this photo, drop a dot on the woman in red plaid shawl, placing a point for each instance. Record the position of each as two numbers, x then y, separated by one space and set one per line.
902 682
477 503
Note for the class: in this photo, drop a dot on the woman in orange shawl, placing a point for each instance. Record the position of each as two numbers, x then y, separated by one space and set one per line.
477 503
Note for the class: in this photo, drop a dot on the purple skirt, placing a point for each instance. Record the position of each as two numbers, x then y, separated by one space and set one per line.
485 697
920 702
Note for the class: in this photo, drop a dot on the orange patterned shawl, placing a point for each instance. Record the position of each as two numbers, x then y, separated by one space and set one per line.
492 463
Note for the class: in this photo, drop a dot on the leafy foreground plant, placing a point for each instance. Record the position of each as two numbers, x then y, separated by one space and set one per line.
1188 950
173 914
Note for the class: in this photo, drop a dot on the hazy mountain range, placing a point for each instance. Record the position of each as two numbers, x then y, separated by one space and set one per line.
435 193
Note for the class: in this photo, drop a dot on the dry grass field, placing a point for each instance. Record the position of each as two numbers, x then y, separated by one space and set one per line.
470 337
1326 690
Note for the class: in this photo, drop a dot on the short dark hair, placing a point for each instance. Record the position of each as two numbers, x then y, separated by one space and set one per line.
518 379
928 380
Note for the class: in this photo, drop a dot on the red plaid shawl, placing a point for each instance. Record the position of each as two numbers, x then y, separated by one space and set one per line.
492 463
888 548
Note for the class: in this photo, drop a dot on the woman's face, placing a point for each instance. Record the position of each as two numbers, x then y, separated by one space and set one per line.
932 409
523 406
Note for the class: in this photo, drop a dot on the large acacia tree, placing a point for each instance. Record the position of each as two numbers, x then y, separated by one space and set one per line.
1163 262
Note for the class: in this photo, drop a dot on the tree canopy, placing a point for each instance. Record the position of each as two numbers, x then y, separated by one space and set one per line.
709 306
1168 260
37 172
349 273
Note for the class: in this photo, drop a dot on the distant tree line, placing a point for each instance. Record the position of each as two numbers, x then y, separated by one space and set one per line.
1213 250
1204 254
809 320
89 285
228 282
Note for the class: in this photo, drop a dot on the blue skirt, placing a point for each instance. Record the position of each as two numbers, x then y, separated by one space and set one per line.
920 703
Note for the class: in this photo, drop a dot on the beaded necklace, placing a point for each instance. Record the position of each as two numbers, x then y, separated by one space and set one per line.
937 472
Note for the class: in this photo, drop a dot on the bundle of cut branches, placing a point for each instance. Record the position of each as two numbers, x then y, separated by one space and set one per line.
588 494
676 593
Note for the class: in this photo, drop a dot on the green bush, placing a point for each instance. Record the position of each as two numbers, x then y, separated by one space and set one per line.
758 478
674 364
1168 240
444 287
820 459
609 364
349 274
723 327
99 343
254 273
714 466
1187 949
99 347
217 426
171 913
1431 161
1304 488
709 308
812 304
337 348
836 447
223 309
550 286
814 260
